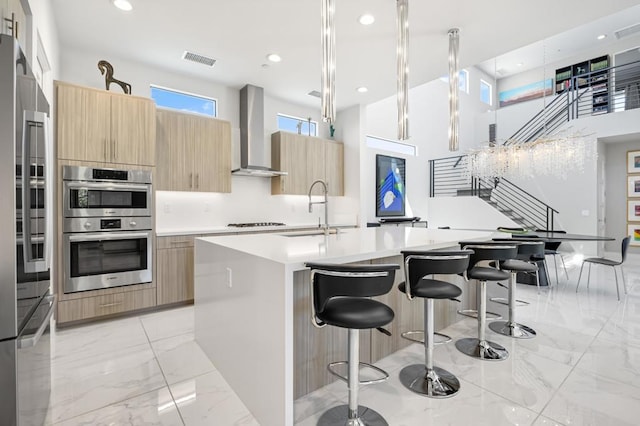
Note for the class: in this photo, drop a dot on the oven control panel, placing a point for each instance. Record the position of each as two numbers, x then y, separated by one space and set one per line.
106 224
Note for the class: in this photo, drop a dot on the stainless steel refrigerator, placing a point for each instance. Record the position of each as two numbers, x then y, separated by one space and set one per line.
26 303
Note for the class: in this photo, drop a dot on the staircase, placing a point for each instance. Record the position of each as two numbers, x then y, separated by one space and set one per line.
448 178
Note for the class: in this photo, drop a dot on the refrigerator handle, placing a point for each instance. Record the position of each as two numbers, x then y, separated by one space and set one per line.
33 120
32 339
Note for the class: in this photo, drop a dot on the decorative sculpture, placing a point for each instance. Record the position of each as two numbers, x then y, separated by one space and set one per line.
106 67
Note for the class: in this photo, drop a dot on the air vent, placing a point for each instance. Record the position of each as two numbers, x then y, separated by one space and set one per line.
200 59
315 93
626 32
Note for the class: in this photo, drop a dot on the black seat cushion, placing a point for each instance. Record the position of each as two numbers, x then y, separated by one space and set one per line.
537 257
482 273
602 261
356 312
432 289
518 266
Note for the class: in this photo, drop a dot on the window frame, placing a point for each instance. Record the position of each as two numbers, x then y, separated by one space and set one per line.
293 117
183 92
490 86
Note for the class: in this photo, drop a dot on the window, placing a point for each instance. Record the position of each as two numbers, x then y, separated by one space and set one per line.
463 80
182 101
393 146
293 124
485 92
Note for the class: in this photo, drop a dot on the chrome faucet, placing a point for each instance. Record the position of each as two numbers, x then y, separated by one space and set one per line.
325 202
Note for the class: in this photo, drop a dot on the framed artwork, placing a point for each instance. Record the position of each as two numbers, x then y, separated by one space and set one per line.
633 186
527 93
633 162
390 190
634 232
633 211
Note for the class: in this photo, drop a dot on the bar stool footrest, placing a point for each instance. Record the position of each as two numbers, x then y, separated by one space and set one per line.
473 313
504 301
331 367
409 336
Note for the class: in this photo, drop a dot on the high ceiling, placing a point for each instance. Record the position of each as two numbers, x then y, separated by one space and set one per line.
240 33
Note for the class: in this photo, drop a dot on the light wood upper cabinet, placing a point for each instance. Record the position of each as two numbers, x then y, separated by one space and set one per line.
193 153
96 125
306 159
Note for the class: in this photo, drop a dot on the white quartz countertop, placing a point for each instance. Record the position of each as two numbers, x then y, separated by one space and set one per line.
348 245
222 230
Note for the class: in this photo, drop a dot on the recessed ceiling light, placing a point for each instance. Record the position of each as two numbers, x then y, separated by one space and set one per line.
362 89
602 36
123 5
519 64
366 19
274 57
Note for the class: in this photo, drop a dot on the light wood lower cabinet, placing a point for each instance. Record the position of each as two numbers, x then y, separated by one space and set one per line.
97 306
174 269
174 275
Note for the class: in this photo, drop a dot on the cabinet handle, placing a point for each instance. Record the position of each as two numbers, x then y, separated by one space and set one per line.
114 152
197 180
104 149
190 180
108 305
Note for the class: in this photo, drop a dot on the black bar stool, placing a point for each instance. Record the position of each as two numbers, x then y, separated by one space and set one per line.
526 251
341 298
426 379
483 268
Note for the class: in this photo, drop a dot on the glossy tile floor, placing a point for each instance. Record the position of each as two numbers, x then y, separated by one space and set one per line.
583 368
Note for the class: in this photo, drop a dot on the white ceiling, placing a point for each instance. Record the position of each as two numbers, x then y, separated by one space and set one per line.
240 33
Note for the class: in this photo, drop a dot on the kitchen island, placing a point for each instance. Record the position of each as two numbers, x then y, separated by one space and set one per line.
253 315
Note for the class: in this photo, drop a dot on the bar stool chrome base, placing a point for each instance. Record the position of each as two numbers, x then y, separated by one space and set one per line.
513 329
437 383
409 336
339 416
486 350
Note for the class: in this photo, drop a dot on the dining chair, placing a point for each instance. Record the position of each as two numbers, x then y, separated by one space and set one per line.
608 262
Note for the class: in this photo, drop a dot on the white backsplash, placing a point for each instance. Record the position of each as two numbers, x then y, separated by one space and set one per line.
250 201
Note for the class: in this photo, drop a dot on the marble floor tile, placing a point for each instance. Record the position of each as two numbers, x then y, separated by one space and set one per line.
153 408
91 383
208 400
181 358
617 361
525 378
169 323
471 406
591 400
544 421
86 341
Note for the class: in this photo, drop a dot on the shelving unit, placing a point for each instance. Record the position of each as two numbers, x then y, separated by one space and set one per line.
599 83
593 73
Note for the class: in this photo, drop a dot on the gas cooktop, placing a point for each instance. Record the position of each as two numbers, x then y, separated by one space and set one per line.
252 224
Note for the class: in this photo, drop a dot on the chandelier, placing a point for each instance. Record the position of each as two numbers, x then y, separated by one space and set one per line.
328 34
402 7
454 126
554 155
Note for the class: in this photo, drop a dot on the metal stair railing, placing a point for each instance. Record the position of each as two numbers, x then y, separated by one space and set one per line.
448 178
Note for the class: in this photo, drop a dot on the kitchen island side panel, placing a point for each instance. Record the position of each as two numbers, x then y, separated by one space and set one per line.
243 322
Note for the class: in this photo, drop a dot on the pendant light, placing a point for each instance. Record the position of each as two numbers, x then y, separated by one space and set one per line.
403 69
454 122
328 62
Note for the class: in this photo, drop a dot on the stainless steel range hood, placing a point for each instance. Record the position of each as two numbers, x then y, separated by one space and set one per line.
252 156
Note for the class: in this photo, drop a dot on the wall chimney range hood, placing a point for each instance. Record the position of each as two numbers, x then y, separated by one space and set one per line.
252 156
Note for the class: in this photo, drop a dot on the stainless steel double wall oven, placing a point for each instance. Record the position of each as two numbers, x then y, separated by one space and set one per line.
26 304
108 228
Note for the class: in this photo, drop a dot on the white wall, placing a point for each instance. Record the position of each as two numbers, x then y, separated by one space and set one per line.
428 130
465 213
616 192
